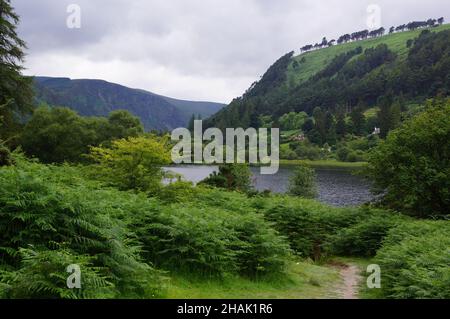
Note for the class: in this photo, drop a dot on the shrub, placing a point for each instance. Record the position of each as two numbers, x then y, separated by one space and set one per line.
364 238
39 208
307 224
411 169
43 275
133 163
342 153
316 231
176 192
306 150
232 177
57 135
303 183
415 261
210 242
356 156
6 158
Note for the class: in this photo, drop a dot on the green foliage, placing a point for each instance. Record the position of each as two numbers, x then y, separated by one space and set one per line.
16 94
292 121
415 261
132 164
305 223
317 231
232 177
358 120
355 149
209 239
65 218
100 98
43 275
303 183
411 168
363 239
5 155
122 124
274 76
176 192
341 78
57 135
306 151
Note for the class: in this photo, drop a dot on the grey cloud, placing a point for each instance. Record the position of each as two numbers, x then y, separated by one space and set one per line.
193 49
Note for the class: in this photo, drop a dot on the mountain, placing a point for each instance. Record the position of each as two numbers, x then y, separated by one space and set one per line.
411 65
99 98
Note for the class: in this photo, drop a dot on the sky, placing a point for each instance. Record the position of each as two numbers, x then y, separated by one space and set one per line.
203 50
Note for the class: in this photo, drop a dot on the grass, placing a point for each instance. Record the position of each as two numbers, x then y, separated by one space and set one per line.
304 281
372 112
331 164
315 61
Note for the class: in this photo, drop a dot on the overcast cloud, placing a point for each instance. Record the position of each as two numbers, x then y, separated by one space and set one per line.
191 49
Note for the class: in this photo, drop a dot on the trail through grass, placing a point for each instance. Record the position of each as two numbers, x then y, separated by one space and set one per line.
305 280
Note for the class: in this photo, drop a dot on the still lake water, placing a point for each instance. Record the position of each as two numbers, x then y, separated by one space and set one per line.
335 187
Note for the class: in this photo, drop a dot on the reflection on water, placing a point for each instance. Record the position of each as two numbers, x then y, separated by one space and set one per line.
336 187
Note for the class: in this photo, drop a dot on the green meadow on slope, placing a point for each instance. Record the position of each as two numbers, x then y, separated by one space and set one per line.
315 61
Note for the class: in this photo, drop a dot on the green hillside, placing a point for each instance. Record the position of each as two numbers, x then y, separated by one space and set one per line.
360 74
316 60
100 98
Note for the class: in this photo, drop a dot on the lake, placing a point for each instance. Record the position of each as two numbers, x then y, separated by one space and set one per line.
336 187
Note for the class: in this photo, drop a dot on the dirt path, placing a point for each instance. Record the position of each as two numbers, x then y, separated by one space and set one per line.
351 280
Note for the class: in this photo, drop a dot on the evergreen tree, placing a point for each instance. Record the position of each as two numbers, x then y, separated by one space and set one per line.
16 94
341 126
308 126
384 115
191 123
396 117
358 120
330 124
320 123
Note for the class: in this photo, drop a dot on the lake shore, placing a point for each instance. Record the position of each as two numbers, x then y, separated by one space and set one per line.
324 164
331 164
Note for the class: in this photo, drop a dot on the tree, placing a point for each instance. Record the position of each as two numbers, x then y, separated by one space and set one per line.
396 115
57 135
16 93
389 115
411 168
441 21
384 114
5 156
191 123
235 177
358 120
341 125
292 121
134 163
330 124
320 123
303 183
123 124
308 126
